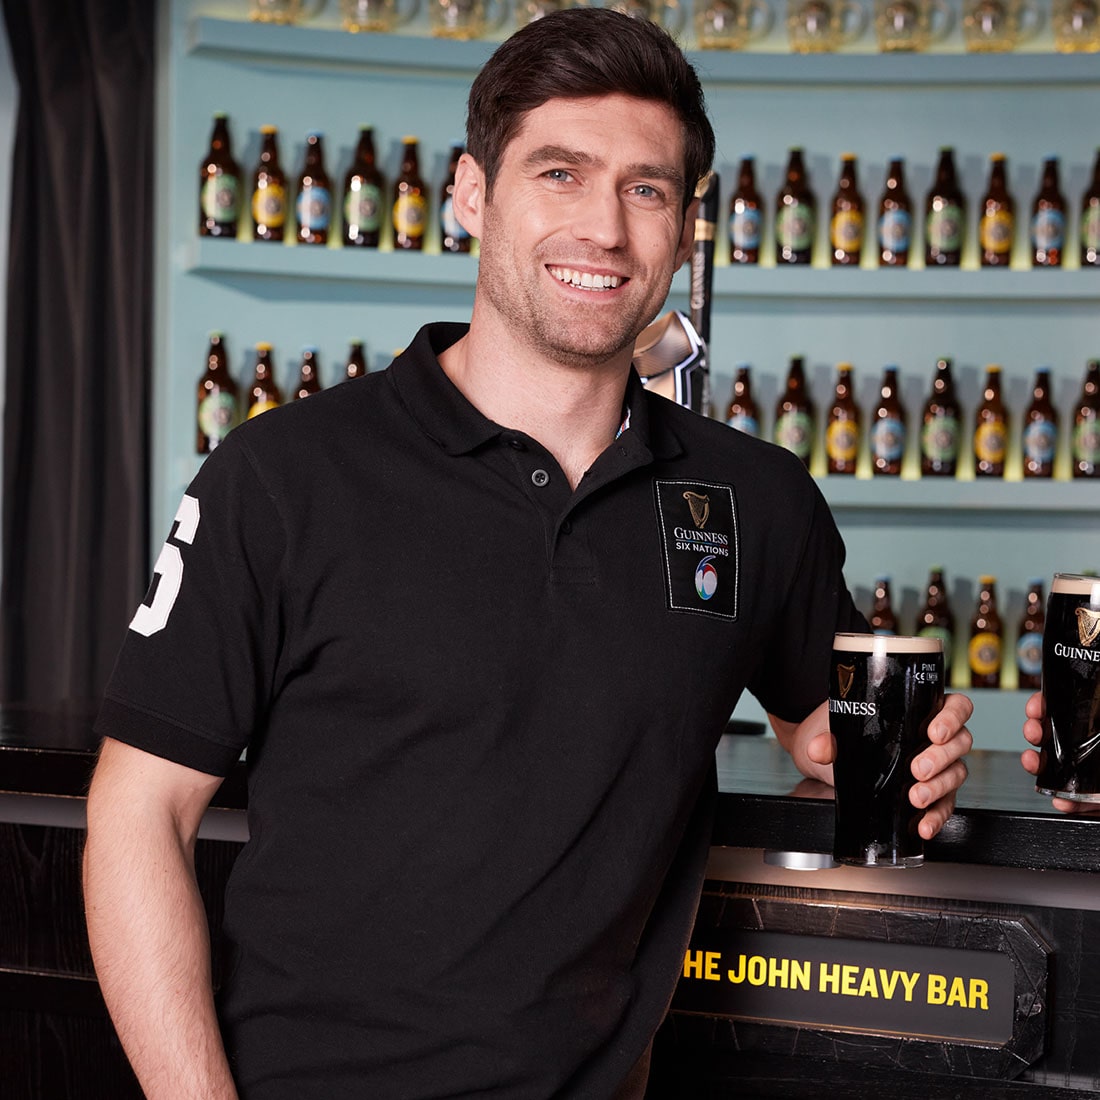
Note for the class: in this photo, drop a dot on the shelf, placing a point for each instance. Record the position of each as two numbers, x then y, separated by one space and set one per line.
952 495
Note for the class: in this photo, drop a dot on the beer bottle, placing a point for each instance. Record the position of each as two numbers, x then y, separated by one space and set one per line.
895 218
218 396
1090 219
313 205
308 380
1040 439
356 365
939 437
997 218
794 415
219 185
842 431
882 618
453 236
936 619
746 217
410 201
846 226
888 428
945 216
268 190
795 215
1029 639
743 413
986 633
990 428
1086 425
1048 219
364 191
263 394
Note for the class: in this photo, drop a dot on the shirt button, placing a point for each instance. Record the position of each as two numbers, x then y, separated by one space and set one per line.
516 443
540 478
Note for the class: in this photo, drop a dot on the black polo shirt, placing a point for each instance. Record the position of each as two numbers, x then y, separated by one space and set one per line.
480 711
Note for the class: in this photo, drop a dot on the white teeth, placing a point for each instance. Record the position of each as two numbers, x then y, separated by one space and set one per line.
585 280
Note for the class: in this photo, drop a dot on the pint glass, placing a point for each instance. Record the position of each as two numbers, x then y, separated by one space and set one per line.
1069 756
883 692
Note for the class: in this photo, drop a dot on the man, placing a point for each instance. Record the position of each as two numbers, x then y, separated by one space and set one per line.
456 613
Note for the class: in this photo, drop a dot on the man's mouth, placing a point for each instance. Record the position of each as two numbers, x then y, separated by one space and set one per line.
585 280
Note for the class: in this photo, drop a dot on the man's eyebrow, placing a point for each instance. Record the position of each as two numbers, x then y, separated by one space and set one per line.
561 154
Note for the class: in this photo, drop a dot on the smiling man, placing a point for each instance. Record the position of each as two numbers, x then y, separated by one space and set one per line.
476 851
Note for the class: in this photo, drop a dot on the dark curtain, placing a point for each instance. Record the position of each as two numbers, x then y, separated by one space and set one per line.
79 315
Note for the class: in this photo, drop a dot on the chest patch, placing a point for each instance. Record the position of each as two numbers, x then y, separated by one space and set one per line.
699 540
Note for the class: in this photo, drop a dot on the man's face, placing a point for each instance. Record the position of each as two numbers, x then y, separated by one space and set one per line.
585 227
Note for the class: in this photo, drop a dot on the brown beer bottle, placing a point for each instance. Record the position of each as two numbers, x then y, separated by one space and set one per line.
263 394
882 618
410 201
453 236
936 619
940 421
308 380
364 195
846 226
986 637
1090 219
1029 639
746 217
743 413
888 427
356 365
219 185
268 190
794 415
795 215
842 430
1086 425
990 428
895 218
313 204
218 399
944 216
1048 219
997 218
1040 428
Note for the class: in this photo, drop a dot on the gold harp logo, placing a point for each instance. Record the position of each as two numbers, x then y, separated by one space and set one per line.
700 507
1088 625
844 676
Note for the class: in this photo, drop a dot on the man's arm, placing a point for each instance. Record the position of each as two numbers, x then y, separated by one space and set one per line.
939 769
146 923
1033 733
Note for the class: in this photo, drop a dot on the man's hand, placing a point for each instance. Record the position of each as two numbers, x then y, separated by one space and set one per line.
1033 733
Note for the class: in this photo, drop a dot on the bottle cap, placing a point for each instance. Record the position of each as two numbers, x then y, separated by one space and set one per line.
996 156
994 368
263 347
269 129
409 139
985 580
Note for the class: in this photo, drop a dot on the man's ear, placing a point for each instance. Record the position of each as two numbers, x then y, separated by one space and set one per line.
687 234
469 195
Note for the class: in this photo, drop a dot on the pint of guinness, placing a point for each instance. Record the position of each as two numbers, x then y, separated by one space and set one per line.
883 692
1069 756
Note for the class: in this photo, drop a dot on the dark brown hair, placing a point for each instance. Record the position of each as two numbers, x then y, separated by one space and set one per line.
578 53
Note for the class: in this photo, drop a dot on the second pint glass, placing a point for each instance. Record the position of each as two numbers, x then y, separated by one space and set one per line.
883 692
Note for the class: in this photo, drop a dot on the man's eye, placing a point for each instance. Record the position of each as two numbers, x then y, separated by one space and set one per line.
646 191
559 174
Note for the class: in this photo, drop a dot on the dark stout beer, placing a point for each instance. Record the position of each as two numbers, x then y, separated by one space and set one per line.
883 692
1069 759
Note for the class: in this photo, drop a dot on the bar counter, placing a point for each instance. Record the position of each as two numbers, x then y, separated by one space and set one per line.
1006 875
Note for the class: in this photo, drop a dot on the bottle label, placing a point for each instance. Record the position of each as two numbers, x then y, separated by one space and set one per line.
842 441
745 228
794 227
940 439
1040 438
1029 654
989 442
888 439
893 231
410 215
1048 229
450 225
747 424
985 653
363 207
846 231
995 232
217 415
1086 442
944 229
221 198
794 430
269 205
314 210
944 636
262 406
1090 226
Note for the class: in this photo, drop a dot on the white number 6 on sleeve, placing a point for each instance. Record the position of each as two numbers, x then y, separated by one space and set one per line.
169 569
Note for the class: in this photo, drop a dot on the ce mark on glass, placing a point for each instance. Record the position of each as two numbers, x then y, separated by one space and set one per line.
168 572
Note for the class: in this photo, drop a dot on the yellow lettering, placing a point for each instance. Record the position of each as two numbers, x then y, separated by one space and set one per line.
693 964
800 975
868 987
849 989
957 996
758 972
889 979
979 994
779 973
828 978
909 981
937 989
711 972
737 976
